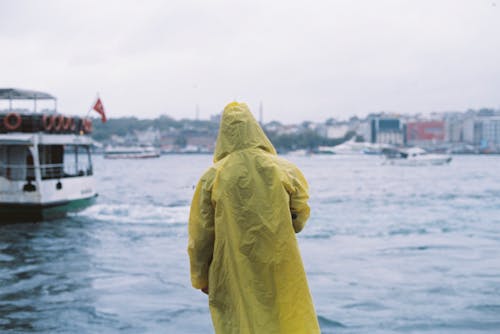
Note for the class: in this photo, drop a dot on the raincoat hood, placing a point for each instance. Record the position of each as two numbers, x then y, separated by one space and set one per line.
239 130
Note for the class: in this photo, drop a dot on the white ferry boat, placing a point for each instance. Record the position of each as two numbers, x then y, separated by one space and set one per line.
351 147
131 152
45 160
415 156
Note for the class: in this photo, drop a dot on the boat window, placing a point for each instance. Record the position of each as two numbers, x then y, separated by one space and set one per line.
70 161
58 161
51 161
84 160
16 162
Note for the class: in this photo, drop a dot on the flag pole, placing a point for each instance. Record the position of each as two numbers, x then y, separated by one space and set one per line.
92 105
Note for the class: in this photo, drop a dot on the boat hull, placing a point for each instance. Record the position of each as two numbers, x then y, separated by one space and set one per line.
131 153
419 162
31 212
131 156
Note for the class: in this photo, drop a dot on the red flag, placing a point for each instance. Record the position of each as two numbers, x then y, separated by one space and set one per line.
100 109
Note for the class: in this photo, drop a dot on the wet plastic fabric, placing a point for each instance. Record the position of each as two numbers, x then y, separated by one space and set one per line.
242 242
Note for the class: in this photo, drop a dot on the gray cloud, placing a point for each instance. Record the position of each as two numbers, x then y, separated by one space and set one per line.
304 60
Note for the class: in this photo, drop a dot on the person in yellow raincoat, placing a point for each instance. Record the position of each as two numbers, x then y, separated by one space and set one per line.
243 251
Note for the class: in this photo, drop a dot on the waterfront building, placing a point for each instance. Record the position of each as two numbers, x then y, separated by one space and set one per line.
387 130
454 127
364 130
482 130
336 130
202 142
425 133
148 136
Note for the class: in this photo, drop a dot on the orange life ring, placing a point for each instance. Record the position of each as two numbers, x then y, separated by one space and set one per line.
87 125
58 125
8 124
67 123
47 122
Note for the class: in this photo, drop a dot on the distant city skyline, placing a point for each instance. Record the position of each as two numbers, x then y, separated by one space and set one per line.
301 60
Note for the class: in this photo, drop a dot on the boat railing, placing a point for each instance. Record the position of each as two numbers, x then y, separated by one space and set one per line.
19 172
52 171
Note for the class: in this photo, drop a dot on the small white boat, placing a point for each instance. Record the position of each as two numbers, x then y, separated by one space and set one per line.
351 147
415 156
45 161
131 152
348 147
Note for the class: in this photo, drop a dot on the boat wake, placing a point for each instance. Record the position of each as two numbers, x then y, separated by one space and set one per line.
130 213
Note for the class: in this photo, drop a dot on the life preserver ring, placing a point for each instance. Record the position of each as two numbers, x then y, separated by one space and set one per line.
9 125
67 121
47 122
58 122
87 125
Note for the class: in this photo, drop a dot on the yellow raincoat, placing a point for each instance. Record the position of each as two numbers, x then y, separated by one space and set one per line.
242 243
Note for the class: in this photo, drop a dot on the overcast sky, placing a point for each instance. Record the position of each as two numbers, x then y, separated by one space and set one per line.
305 60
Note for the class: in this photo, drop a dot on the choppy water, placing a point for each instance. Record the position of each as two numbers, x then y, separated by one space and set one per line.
388 249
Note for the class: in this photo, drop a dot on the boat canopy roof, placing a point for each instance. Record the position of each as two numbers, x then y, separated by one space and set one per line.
23 94
16 139
44 139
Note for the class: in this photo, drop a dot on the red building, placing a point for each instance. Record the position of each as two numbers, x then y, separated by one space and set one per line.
425 131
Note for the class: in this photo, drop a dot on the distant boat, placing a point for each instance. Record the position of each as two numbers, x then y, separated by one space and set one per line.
45 161
131 152
351 147
415 156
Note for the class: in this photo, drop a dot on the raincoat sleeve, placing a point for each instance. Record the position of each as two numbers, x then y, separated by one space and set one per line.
299 196
201 233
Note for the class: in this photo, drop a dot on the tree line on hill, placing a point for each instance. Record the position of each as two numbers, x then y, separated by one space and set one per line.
123 126
307 139
304 139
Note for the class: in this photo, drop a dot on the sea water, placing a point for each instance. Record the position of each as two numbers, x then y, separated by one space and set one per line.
387 249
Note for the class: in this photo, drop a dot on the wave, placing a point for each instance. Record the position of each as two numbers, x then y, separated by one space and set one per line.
324 322
138 213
